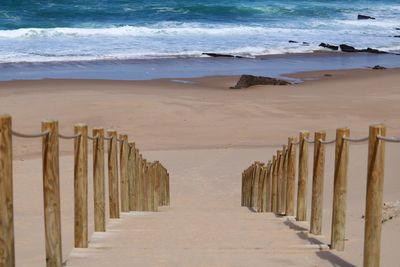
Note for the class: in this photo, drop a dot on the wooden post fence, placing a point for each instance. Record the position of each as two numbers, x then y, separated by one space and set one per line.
291 179
134 169
269 187
318 184
132 175
98 180
113 175
51 192
301 214
7 250
123 171
373 206
282 207
81 186
274 184
340 190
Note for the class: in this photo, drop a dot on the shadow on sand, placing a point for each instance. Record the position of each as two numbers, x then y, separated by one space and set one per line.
325 255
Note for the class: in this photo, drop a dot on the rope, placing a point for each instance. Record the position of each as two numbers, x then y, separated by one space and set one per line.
69 136
356 140
327 142
391 139
308 141
22 135
92 138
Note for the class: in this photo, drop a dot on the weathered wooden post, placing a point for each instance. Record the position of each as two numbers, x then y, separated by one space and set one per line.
301 214
283 167
373 206
51 194
279 177
151 188
131 176
274 184
269 187
157 184
168 190
145 185
7 248
123 171
113 175
291 180
261 185
318 184
265 188
138 183
254 191
98 180
340 190
81 186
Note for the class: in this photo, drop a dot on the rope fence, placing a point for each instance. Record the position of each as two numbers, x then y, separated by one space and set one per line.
137 185
269 187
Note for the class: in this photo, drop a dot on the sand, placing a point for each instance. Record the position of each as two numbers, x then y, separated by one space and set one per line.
205 134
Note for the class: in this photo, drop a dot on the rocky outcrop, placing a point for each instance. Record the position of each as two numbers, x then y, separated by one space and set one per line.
246 81
364 17
348 48
221 55
331 47
351 49
378 67
293 42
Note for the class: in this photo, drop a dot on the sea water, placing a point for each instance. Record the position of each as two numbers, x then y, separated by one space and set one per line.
77 30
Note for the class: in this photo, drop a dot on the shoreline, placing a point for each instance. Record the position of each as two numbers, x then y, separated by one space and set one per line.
178 68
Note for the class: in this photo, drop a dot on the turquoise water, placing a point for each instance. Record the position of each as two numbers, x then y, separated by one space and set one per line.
36 31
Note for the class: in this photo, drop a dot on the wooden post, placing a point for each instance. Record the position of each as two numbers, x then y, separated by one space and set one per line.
168 190
138 182
254 191
145 184
7 249
157 183
113 175
301 214
98 180
81 186
131 176
269 187
152 187
261 182
51 194
265 188
340 190
123 171
274 184
318 184
279 183
291 180
373 206
283 167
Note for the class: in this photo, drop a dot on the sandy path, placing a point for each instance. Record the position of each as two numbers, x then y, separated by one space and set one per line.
206 135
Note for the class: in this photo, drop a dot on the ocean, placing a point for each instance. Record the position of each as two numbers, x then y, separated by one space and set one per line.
76 30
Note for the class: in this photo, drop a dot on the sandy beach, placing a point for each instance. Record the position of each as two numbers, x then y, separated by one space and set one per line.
206 134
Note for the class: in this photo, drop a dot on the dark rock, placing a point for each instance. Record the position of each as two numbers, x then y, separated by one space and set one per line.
377 67
397 29
396 36
218 55
328 75
373 51
305 43
348 48
364 17
246 81
293 42
332 47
